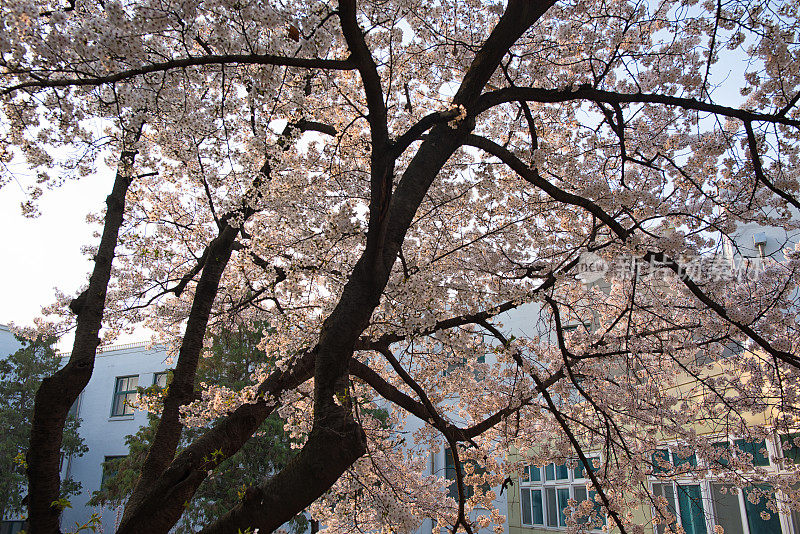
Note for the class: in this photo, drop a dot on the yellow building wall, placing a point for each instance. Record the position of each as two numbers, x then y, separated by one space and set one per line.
686 388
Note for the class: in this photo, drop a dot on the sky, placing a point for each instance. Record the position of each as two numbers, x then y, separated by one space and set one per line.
44 253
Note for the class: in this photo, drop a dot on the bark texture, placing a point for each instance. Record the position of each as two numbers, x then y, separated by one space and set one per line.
58 392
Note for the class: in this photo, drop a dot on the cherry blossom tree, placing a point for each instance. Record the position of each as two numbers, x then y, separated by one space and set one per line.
380 182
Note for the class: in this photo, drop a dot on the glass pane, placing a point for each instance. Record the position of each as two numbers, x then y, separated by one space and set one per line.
128 383
160 380
552 507
756 514
550 472
562 473
580 495
757 449
790 449
110 468
450 473
525 503
724 446
535 476
726 509
693 519
660 461
538 512
678 460
526 473
598 508
119 405
563 502
666 491
578 472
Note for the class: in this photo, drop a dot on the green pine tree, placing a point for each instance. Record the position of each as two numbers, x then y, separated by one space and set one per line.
21 374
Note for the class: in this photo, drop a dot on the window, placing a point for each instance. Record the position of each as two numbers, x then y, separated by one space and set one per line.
757 449
790 448
110 468
696 507
12 527
450 474
731 505
687 511
545 492
124 395
671 461
161 379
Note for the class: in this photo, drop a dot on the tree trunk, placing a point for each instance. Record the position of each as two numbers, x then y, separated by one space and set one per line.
58 392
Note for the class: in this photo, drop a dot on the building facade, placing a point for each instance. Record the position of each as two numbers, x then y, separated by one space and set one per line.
106 418
536 505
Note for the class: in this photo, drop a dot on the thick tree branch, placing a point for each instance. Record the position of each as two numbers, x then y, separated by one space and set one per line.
588 93
335 436
181 390
381 159
532 175
716 307
755 157
443 140
416 131
325 456
164 502
195 61
57 393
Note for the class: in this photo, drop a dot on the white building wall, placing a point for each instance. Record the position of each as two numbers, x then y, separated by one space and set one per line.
753 241
103 433
8 343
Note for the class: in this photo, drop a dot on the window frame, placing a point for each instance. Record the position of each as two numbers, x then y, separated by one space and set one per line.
558 482
773 453
126 393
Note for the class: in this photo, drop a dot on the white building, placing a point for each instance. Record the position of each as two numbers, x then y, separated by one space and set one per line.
105 421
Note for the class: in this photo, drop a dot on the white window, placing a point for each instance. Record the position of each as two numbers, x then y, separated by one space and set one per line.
545 492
